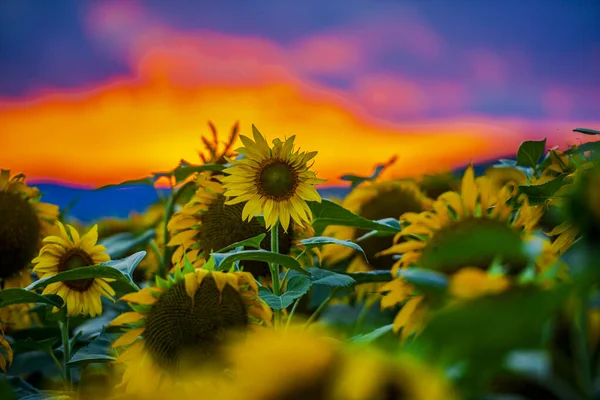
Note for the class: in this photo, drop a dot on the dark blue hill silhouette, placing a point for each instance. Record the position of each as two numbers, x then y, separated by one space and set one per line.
89 205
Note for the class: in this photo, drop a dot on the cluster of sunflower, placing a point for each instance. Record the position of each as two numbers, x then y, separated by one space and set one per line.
253 286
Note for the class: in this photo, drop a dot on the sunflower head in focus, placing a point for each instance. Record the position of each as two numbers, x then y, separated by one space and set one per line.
181 324
24 221
207 224
374 201
464 235
66 251
273 181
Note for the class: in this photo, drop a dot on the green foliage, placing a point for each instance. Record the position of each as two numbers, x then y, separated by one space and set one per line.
356 180
319 241
122 243
325 277
328 213
97 351
540 194
11 296
586 131
253 242
226 260
370 337
120 270
530 153
297 287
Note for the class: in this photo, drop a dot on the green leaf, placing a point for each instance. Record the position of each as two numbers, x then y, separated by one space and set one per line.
539 194
183 171
45 345
319 241
122 243
329 213
96 351
492 325
530 152
388 221
326 277
582 148
356 180
253 242
297 287
586 131
425 280
142 181
11 296
120 270
224 261
367 338
371 276
6 391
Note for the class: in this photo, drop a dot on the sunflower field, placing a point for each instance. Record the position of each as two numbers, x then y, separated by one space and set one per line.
245 282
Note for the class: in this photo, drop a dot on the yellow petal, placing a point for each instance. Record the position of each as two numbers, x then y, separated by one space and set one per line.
142 297
128 337
127 318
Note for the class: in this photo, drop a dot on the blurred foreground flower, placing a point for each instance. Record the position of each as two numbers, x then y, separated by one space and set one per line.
183 323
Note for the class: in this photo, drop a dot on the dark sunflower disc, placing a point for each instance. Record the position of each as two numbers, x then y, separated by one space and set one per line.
19 234
177 328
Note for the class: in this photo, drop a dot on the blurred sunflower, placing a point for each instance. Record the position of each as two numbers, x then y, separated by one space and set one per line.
24 221
462 237
276 182
182 323
6 352
505 176
433 185
68 251
368 374
307 371
373 200
206 223
212 155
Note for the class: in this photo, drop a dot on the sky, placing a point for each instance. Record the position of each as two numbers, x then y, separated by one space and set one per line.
94 92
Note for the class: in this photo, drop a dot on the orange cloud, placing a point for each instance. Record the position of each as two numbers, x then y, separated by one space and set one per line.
130 126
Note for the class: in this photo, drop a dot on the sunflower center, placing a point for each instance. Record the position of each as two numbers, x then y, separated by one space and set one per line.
72 259
388 204
277 180
474 242
19 233
222 225
179 331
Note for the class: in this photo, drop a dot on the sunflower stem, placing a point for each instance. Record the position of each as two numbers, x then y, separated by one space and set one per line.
361 317
60 369
320 308
64 332
583 346
289 319
274 267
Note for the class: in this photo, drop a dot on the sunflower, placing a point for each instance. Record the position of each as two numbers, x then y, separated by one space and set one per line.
6 352
68 251
24 221
462 237
181 324
206 223
369 374
299 365
434 185
275 181
502 176
374 201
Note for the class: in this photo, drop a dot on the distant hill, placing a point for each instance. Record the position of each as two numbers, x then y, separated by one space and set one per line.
89 205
